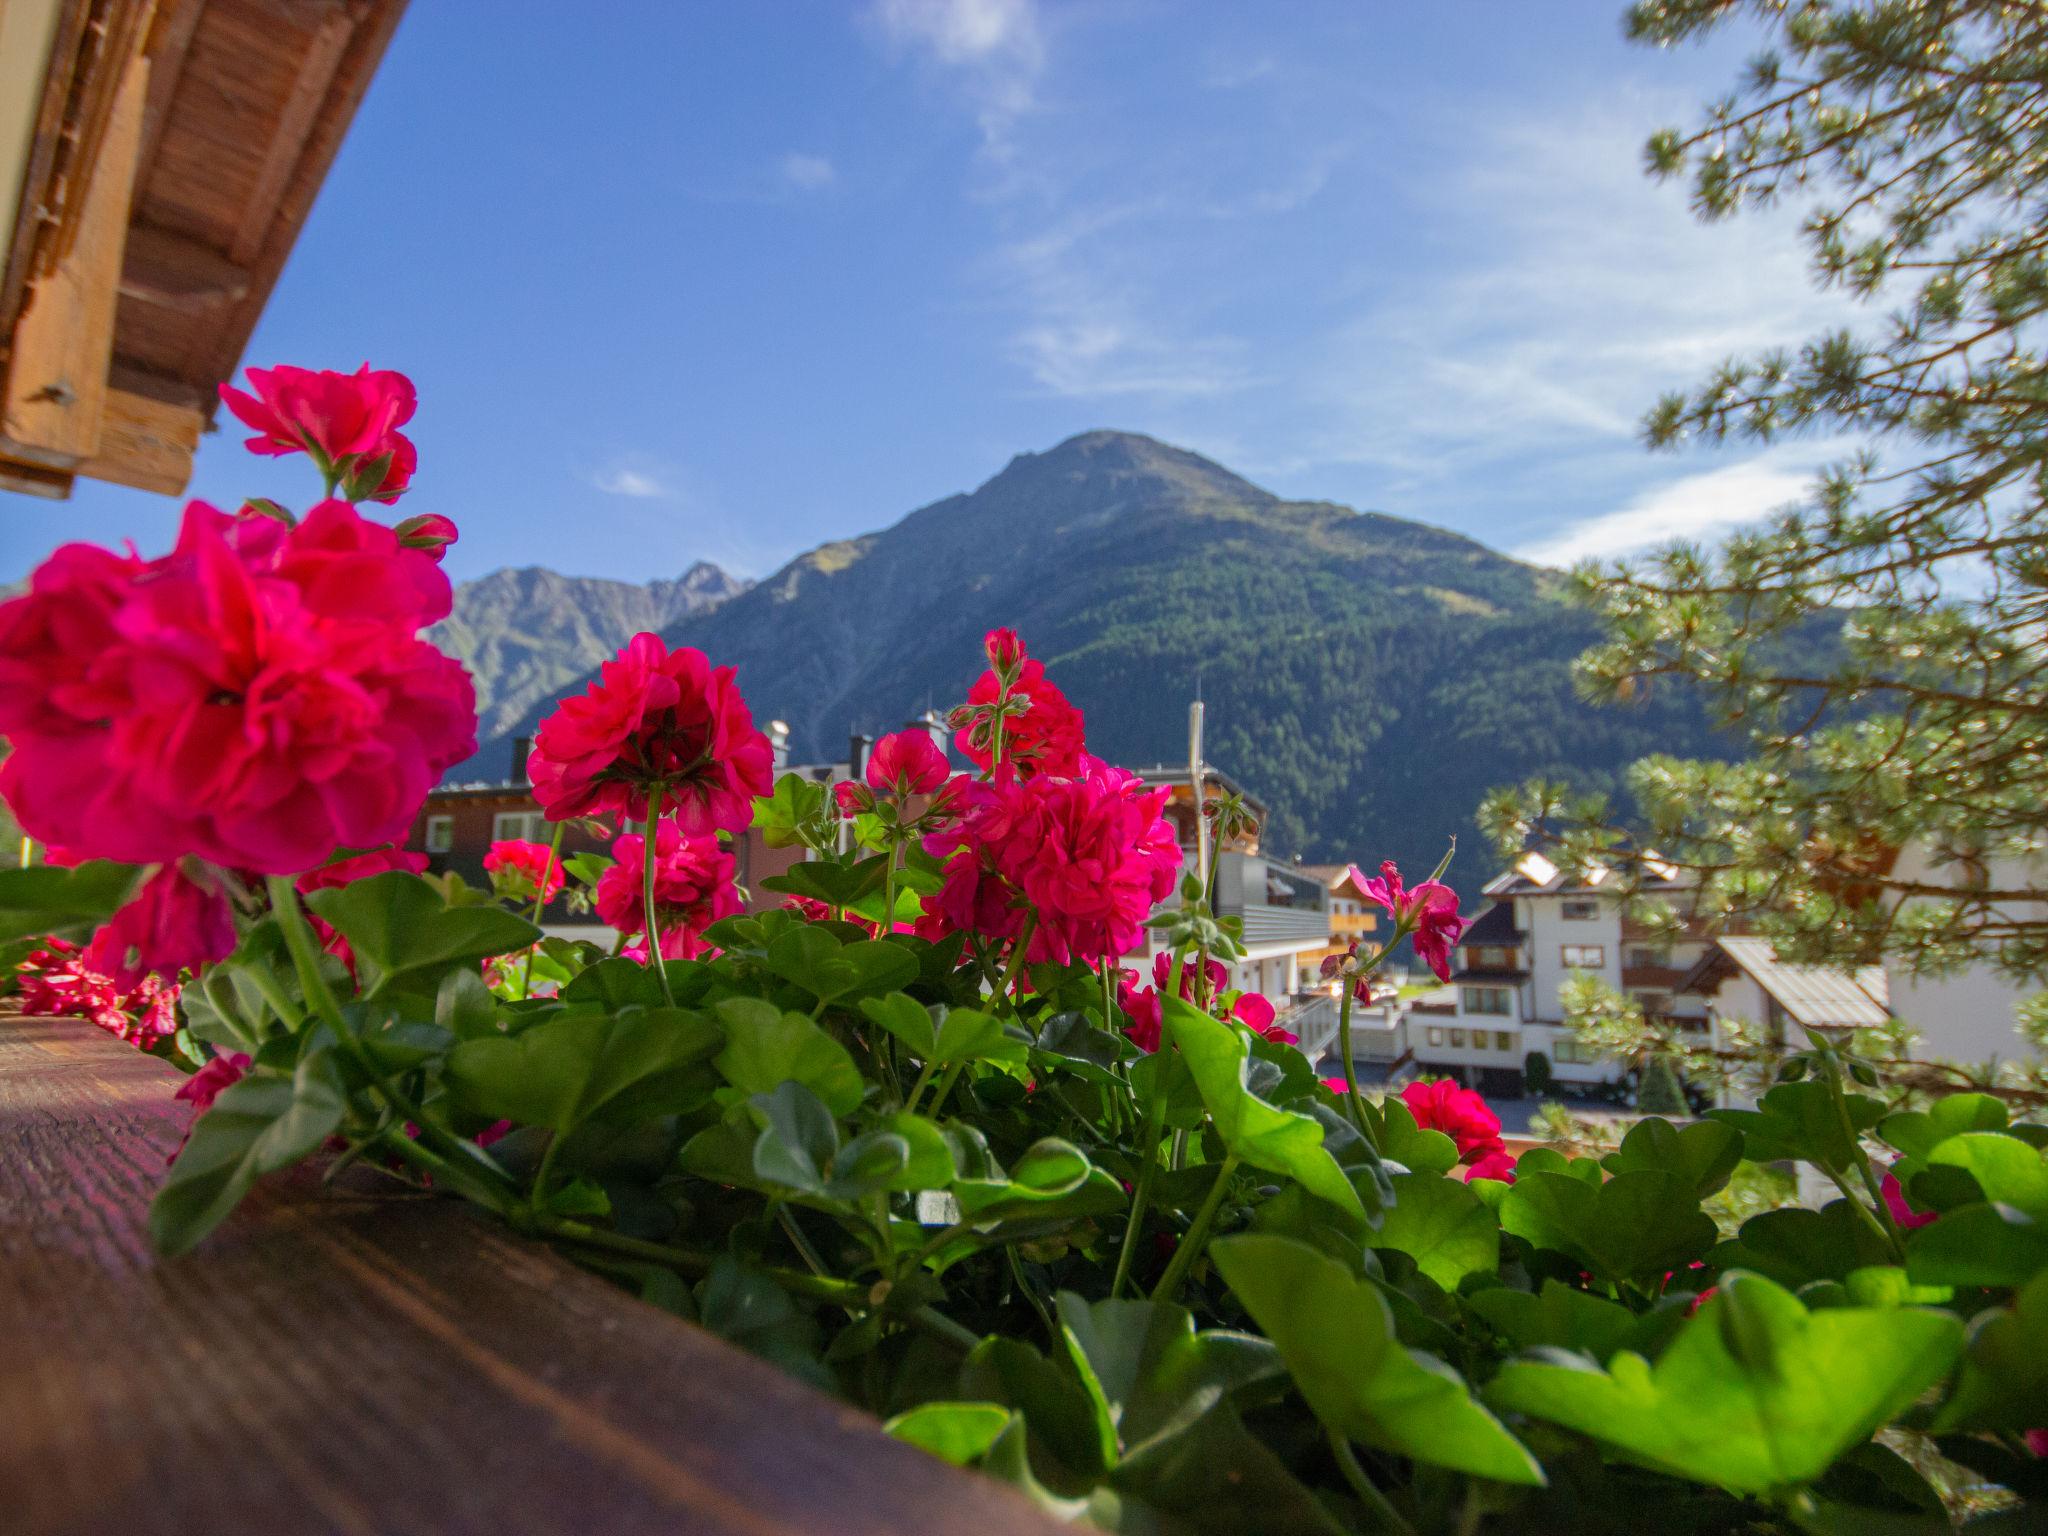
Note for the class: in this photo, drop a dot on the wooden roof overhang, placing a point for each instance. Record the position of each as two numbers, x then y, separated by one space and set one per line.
154 174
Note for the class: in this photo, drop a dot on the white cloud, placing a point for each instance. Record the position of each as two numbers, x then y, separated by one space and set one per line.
1697 507
808 173
622 481
994 49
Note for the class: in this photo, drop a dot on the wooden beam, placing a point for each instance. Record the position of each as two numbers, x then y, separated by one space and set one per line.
170 39
56 388
34 480
301 110
177 272
146 443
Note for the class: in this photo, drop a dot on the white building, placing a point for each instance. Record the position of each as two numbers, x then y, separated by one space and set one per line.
1538 930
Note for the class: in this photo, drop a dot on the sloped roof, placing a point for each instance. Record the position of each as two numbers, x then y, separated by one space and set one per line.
1815 995
1495 927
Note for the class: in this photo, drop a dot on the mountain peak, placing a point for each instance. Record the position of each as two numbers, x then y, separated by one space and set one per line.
1122 464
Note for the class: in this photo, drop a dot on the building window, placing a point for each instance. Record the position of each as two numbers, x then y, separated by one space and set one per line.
1647 955
1488 1000
440 833
1503 1041
1458 1039
1653 1002
1436 1036
1573 1053
1585 957
530 826
1581 910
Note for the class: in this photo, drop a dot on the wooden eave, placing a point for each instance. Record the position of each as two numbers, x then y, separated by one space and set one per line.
178 146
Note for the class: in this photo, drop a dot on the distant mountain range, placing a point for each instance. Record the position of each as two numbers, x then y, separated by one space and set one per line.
1368 677
527 635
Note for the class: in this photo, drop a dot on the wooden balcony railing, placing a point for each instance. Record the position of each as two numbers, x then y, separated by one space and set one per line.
344 1360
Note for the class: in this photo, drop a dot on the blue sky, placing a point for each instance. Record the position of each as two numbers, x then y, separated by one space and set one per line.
725 281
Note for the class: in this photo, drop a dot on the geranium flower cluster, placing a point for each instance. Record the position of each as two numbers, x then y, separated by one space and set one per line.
255 701
693 888
656 722
1090 855
58 980
1147 1015
518 869
1463 1116
1016 722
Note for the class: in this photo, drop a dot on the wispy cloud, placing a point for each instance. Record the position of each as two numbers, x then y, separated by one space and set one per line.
1696 507
995 50
808 173
621 480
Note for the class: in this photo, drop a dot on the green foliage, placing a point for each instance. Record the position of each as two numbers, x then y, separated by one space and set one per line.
1660 1092
827 1151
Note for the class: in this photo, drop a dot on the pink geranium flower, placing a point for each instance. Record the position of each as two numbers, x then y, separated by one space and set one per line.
1458 1112
1497 1162
430 533
519 866
212 1080
258 698
174 923
1901 1208
332 416
906 763
1429 912
54 981
1048 736
654 717
693 888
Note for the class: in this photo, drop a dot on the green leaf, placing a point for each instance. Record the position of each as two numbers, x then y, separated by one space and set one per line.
957 1432
819 963
792 814
1918 1132
765 1046
2008 1170
798 1139
1403 1141
398 924
1754 1394
1277 1140
1796 1245
867 1165
1217 1478
1337 1337
1443 1226
1049 1169
1704 1153
1557 1317
1633 1224
66 903
1077 1044
256 1126
1887 1285
930 1162
1058 1410
1978 1245
2003 1384
1800 1120
906 1018
635 1064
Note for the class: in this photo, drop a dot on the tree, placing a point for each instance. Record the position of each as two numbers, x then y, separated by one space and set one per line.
1660 1092
1879 648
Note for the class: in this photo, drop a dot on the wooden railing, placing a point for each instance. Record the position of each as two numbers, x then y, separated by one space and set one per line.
348 1360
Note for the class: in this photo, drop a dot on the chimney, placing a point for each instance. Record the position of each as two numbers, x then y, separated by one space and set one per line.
778 741
522 748
857 753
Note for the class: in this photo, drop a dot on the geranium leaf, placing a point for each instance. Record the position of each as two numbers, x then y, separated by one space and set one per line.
397 924
798 1138
1403 1141
1917 1132
1633 1224
2003 1384
1978 1245
1704 1153
1277 1140
1443 1226
1795 1245
1754 1394
64 903
1337 1337
957 1432
765 1047
1557 1317
256 1126
636 1063
2007 1170
1801 1121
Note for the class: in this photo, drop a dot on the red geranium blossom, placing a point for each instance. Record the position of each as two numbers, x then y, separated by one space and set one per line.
906 763
654 716
692 888
174 923
1430 911
430 533
1496 1162
332 416
1901 1208
212 1080
522 864
259 697
1458 1112
1048 736
55 982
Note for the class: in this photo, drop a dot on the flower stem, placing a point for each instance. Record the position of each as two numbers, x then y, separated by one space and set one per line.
1141 1197
1017 951
540 899
1197 1235
1351 1096
1368 1495
649 917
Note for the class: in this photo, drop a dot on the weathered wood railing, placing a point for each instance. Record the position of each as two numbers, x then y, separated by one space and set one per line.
336 1361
